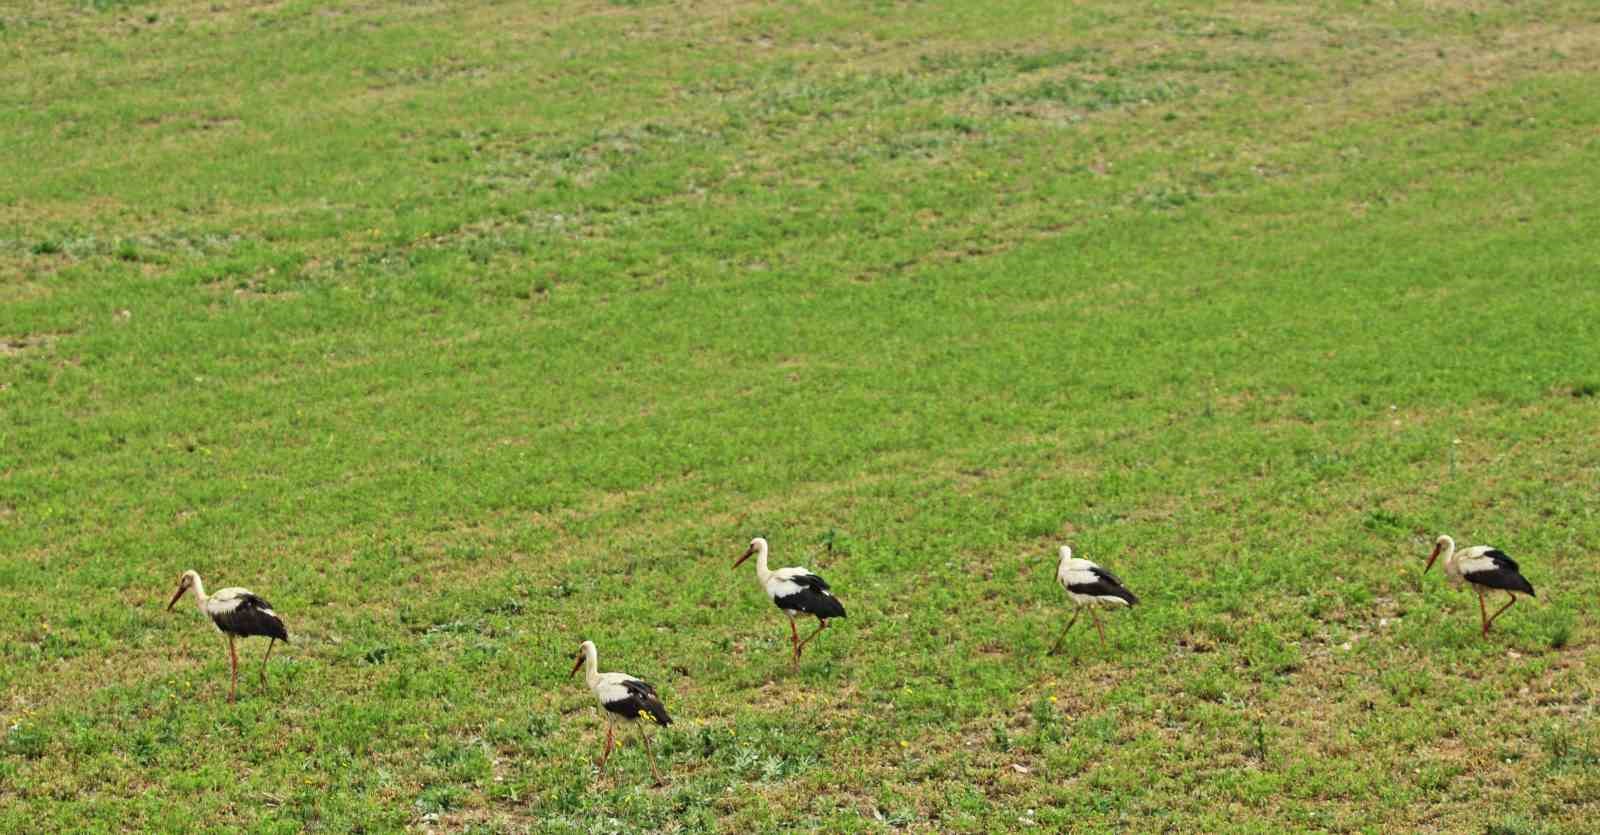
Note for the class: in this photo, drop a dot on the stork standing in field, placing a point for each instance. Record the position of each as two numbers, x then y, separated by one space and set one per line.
1487 569
623 697
1089 585
237 614
797 592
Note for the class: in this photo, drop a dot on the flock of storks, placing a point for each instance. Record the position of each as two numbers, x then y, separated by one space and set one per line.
797 592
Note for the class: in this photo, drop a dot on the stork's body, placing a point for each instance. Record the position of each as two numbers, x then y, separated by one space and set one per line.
624 698
795 591
1486 569
1089 586
236 613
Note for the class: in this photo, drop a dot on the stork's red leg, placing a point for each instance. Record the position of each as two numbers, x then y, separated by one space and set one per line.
1483 614
270 642
1070 622
606 754
823 624
233 663
646 737
1502 609
794 642
1098 627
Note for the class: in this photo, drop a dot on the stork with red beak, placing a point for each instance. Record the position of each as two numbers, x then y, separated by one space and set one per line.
1089 586
236 613
1487 569
623 697
796 592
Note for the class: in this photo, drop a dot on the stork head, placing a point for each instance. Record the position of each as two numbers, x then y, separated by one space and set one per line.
1066 553
186 582
583 650
1439 544
757 546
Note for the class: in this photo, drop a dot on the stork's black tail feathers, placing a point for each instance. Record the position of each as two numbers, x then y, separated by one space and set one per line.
827 606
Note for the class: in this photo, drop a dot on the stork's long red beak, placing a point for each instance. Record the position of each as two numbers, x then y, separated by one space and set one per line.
175 598
744 556
1431 557
576 666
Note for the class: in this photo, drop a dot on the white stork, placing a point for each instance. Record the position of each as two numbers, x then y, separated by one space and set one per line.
623 697
1487 568
237 614
1089 585
797 592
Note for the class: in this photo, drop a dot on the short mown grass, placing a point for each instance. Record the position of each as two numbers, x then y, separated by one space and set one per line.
467 331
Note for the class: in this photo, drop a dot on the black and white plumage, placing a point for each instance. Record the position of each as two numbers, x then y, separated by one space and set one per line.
1487 569
1089 586
797 592
622 697
237 613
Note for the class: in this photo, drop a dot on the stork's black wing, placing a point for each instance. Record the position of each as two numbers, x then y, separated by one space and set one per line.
1505 574
251 615
641 699
1105 584
814 598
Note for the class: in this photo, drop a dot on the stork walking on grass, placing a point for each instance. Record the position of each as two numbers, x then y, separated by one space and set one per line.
1089 586
797 592
623 697
237 614
1487 568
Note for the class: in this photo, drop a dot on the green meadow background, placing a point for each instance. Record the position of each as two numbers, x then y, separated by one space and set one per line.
465 331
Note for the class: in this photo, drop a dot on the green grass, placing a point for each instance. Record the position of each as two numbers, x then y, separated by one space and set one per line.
466 331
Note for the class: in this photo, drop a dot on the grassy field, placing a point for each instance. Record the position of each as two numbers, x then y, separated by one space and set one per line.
466 331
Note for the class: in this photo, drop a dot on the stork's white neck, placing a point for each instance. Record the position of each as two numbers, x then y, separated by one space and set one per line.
1449 555
199 593
591 663
763 574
